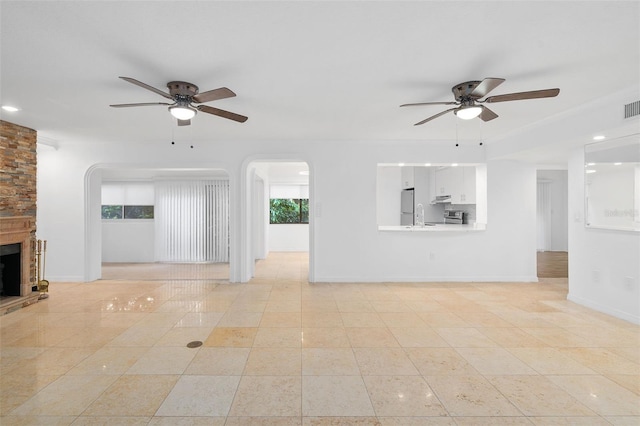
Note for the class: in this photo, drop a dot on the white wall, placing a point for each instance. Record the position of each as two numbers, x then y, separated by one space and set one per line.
128 240
289 237
604 272
388 189
559 201
346 246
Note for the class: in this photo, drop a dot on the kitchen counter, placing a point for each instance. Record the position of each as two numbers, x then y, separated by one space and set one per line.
439 227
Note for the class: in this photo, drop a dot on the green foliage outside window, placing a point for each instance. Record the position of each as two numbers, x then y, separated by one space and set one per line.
289 210
138 212
127 212
112 212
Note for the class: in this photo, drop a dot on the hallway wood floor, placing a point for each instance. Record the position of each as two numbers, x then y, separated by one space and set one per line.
553 264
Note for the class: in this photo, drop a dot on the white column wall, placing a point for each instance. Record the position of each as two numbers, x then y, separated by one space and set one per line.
604 272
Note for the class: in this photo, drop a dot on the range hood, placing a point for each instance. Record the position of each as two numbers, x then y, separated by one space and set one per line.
441 199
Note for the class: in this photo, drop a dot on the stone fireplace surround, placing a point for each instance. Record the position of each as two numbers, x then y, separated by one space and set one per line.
17 230
18 194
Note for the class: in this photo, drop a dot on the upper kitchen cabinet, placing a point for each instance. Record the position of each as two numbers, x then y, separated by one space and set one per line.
408 177
457 182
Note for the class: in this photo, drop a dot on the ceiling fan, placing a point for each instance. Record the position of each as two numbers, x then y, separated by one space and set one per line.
184 95
468 96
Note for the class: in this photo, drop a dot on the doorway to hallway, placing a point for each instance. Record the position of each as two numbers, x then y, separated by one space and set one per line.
552 224
279 218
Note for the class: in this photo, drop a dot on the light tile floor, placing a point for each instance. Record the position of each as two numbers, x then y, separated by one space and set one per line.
281 351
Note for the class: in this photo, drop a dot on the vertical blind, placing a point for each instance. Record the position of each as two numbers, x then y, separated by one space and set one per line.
192 221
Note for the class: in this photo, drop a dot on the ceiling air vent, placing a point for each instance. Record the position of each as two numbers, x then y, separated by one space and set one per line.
632 109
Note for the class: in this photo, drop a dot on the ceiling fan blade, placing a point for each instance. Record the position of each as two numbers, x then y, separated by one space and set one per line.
146 86
487 114
222 113
485 86
139 104
534 94
184 122
213 95
435 116
430 103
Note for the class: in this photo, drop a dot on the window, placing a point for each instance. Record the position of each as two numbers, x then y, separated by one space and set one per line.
289 210
138 212
112 212
127 212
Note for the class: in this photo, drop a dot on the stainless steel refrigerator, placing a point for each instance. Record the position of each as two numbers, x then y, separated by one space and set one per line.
406 206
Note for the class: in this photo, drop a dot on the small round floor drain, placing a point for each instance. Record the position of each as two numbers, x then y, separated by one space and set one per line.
194 344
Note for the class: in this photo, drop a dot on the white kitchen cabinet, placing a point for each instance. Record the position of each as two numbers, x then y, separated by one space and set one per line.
407 176
444 181
458 182
468 193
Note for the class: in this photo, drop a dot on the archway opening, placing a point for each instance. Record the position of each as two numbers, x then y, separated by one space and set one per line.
158 224
280 219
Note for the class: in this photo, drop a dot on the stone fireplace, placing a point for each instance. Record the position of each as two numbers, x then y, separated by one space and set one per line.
15 252
17 214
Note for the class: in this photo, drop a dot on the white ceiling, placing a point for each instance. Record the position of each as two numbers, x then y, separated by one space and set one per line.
306 70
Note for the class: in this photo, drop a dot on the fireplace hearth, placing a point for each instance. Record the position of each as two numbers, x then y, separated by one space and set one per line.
16 254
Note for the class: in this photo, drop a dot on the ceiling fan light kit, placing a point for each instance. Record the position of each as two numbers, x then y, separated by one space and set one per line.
469 93
468 112
182 112
184 95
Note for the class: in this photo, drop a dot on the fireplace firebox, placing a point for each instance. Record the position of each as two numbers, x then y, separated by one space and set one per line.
10 269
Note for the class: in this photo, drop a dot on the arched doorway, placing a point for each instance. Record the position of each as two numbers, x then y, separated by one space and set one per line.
185 237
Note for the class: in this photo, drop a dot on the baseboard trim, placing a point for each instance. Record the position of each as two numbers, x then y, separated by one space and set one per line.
405 279
604 309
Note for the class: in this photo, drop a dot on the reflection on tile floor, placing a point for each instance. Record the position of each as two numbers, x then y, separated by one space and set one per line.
281 351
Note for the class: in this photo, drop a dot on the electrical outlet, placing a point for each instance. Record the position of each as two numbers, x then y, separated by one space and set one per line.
432 256
629 283
595 276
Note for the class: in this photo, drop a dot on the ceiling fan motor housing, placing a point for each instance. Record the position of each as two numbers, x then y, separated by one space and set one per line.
182 88
462 91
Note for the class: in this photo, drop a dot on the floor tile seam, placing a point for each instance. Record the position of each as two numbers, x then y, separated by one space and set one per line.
503 346
557 388
492 375
598 364
400 375
492 386
73 376
510 350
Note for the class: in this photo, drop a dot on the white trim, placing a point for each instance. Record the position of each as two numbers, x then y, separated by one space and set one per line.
421 279
606 310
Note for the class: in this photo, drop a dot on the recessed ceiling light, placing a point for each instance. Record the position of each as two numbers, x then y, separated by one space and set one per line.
427 164
10 108
598 138
617 164
401 164
454 164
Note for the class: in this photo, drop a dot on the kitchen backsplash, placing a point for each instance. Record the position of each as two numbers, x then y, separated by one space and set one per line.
469 208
